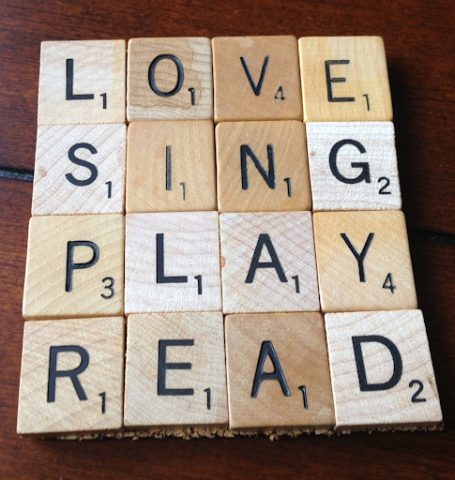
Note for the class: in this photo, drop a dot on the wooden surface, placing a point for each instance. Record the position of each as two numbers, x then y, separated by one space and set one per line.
419 41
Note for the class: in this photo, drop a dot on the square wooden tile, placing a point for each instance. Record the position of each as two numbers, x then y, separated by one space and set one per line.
268 262
262 167
256 78
82 81
278 371
172 262
175 370
353 166
344 79
170 79
74 266
79 169
171 166
363 261
72 376
381 370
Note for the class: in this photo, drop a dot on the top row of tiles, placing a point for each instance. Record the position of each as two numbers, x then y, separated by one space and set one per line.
254 78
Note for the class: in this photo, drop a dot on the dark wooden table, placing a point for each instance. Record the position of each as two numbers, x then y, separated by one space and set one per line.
420 43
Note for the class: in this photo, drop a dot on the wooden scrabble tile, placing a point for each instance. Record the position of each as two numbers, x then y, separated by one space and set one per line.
72 376
171 166
82 82
170 79
79 169
74 266
363 261
278 371
256 78
353 166
172 262
268 262
262 167
344 79
381 370
175 370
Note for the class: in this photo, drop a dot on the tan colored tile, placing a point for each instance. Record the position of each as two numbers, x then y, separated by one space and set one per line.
381 370
279 149
170 79
175 370
344 79
171 166
82 82
89 285
72 376
268 262
256 78
79 169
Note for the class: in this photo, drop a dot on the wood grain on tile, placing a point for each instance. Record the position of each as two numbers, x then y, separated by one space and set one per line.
74 266
72 376
262 167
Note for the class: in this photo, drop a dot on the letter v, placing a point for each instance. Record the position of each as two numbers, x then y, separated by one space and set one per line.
256 88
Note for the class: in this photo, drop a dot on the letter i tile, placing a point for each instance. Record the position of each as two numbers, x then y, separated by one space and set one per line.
381 369
72 376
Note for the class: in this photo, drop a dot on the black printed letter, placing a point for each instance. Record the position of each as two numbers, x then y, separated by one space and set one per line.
70 81
163 366
270 177
180 75
256 88
264 239
359 257
160 277
331 80
363 176
71 266
82 163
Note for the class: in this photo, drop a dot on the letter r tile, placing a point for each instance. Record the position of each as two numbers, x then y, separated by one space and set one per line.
381 369
175 370
268 262
72 376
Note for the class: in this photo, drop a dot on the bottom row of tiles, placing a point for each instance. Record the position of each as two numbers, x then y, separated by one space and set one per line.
246 372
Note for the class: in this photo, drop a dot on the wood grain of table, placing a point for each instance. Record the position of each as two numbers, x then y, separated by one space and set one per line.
420 46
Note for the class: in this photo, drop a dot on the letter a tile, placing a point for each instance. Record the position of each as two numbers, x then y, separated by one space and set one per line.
172 262
381 369
363 261
175 370
344 79
256 78
278 372
268 262
72 376
82 82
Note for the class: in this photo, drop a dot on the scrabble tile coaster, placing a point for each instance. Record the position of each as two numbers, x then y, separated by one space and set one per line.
74 267
169 79
262 167
171 166
381 370
79 169
268 262
175 370
172 262
344 79
363 261
256 78
82 82
72 376
353 166
278 373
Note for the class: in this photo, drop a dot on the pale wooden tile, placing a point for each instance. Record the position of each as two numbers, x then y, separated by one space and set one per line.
82 82
79 169
268 262
363 261
171 166
175 370
172 262
256 78
344 79
170 79
353 166
381 370
279 149
65 278
291 345
89 397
